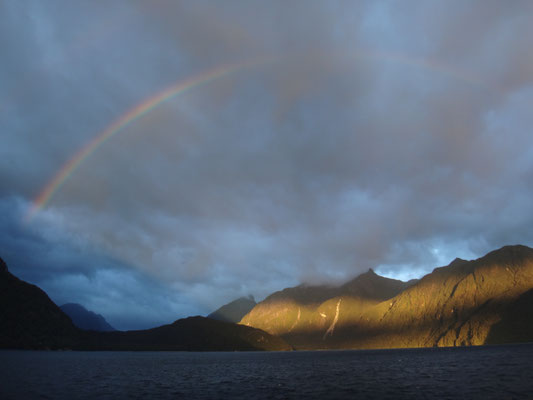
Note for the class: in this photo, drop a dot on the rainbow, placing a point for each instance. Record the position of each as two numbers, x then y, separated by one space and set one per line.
125 120
181 87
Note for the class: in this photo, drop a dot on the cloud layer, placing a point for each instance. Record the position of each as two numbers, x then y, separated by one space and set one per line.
366 134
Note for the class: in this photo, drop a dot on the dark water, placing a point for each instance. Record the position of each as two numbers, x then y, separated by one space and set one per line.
498 372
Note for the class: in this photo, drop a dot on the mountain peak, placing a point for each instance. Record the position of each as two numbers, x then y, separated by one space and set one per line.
373 286
370 274
457 261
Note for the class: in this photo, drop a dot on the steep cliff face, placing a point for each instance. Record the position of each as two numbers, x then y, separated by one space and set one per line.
29 319
465 303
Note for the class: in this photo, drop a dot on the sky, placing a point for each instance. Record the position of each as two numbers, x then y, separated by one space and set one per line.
159 159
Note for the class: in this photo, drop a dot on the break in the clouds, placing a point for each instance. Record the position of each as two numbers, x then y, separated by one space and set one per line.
348 135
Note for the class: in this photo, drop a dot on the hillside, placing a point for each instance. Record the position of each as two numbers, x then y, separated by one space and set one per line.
188 334
29 319
461 304
488 300
85 319
303 314
235 310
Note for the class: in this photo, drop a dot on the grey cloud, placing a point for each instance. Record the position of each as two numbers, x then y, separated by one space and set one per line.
70 269
378 134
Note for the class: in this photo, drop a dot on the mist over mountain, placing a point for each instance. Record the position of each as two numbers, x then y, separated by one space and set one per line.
487 300
484 301
306 308
85 319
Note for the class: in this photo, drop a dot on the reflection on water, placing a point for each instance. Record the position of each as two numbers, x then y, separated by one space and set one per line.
492 372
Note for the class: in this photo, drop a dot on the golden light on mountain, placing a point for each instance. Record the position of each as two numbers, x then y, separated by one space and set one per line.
461 304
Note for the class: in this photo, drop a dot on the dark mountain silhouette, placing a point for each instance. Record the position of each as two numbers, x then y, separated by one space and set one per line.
30 320
234 311
488 300
85 319
188 334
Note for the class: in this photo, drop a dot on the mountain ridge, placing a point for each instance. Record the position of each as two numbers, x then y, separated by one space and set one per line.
305 308
85 319
30 320
458 304
235 310
484 301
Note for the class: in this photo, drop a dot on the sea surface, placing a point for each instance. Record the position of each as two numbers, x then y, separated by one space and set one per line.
491 372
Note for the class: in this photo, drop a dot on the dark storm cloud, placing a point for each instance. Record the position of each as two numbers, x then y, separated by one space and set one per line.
71 269
373 134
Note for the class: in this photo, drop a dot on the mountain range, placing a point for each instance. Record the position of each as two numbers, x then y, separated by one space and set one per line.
483 301
30 320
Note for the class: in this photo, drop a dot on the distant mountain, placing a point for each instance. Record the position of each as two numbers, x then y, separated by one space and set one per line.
85 319
29 319
485 301
234 311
